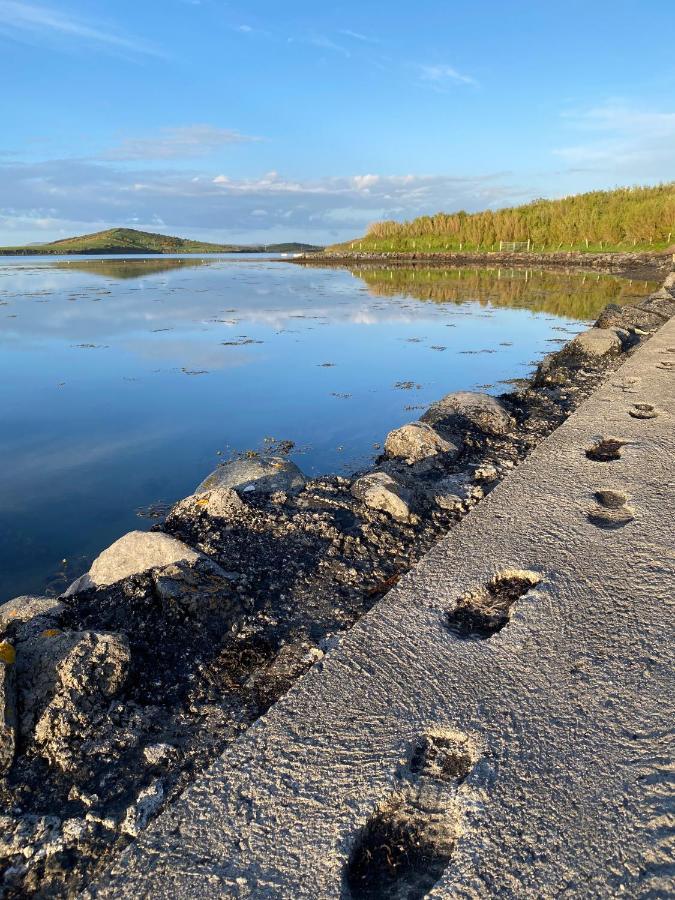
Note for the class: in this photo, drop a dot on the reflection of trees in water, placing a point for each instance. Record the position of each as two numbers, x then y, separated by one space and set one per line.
129 268
579 296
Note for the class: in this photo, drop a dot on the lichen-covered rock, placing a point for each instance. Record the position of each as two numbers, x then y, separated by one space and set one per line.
417 441
218 503
136 552
596 342
22 616
65 682
457 410
259 475
7 707
380 491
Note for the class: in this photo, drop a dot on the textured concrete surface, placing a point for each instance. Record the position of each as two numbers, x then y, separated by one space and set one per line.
569 706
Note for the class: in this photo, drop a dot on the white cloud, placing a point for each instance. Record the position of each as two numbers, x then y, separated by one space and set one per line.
441 75
186 142
33 22
84 195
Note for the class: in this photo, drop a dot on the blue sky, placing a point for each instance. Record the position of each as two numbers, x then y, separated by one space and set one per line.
261 121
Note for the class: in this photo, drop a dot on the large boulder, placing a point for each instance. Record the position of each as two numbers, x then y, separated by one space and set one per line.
135 552
661 303
596 343
7 706
417 441
259 475
456 411
65 683
381 492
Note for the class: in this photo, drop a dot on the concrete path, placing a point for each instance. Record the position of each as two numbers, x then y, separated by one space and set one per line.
534 760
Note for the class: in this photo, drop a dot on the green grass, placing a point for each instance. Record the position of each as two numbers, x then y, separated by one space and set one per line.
623 220
128 240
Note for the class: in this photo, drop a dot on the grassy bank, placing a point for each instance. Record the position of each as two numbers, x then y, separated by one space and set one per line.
623 220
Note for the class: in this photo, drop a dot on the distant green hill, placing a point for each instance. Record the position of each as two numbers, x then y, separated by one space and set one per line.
128 240
637 218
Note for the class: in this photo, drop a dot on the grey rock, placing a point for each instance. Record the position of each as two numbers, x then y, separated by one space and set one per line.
380 491
24 615
462 408
415 442
660 303
261 475
219 503
596 342
669 283
147 803
453 492
615 316
135 552
65 681
197 589
7 707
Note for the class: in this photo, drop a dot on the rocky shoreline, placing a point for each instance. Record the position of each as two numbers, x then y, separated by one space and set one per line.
636 265
116 695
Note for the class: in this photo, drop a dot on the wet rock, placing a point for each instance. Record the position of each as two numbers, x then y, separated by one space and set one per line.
65 682
147 803
596 342
219 503
7 706
461 408
132 554
380 491
261 475
417 441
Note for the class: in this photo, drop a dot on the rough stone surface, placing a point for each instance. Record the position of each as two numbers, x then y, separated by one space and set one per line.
261 475
135 552
417 441
24 616
596 342
7 707
380 491
66 679
481 411
219 503
569 705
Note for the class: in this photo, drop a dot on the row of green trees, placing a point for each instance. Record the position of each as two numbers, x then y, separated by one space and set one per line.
643 216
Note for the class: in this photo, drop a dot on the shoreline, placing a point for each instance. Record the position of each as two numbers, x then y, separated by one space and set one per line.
627 264
182 637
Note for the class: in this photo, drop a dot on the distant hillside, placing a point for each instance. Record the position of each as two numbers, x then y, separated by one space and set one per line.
640 218
128 240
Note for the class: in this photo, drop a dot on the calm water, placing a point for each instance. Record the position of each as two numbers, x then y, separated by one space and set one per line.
123 383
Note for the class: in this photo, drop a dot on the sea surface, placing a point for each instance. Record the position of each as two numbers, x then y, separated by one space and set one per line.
123 383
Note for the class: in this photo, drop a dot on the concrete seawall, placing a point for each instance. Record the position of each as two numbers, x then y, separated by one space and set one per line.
531 652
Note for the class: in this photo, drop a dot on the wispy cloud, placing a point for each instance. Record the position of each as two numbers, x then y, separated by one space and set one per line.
441 75
32 22
186 142
357 36
617 137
